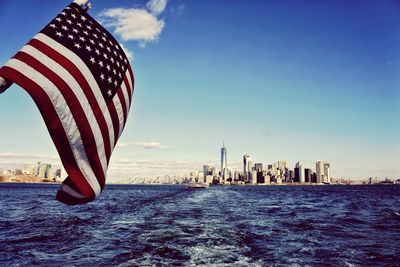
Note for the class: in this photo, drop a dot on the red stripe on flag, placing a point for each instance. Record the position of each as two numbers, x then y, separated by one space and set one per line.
123 105
132 78
82 122
54 127
74 71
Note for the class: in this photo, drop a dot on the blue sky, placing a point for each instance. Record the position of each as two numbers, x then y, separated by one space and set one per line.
279 80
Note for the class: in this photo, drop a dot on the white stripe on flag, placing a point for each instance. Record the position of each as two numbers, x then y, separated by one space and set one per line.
70 191
65 116
83 101
120 113
128 74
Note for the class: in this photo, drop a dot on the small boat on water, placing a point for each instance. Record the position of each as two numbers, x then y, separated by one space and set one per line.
197 185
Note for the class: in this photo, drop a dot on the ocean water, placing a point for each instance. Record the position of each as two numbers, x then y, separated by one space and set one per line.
133 225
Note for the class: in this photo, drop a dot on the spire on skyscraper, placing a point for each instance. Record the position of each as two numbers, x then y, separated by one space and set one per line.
224 161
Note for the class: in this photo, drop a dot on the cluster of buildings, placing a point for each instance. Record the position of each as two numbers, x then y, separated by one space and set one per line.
41 170
256 173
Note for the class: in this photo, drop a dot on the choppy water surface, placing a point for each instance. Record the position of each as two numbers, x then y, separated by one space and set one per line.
230 226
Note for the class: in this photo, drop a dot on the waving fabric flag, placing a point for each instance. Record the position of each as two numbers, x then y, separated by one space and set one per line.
82 83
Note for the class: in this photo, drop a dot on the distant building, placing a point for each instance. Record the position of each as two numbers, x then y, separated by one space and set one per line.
291 175
263 177
308 175
57 174
206 171
319 169
213 171
323 171
253 177
200 176
327 172
236 176
314 177
209 179
282 167
258 167
43 170
267 179
299 172
296 177
247 167
225 174
38 168
29 170
286 175
224 161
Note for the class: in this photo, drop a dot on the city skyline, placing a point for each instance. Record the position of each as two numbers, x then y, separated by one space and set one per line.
294 81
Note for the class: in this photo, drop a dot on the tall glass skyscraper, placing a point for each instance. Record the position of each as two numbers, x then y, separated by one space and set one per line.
299 166
247 167
224 162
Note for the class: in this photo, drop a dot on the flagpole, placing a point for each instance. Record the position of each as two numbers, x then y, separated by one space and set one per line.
85 4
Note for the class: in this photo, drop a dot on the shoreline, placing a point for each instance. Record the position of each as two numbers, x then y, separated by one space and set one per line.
216 185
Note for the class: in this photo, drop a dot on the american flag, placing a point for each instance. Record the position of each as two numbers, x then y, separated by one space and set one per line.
81 81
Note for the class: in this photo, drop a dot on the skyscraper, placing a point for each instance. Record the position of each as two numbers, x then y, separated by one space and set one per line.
307 175
224 162
327 172
258 167
323 171
259 173
282 165
247 167
319 169
299 166
206 171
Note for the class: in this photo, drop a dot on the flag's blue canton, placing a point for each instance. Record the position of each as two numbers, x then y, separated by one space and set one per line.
77 31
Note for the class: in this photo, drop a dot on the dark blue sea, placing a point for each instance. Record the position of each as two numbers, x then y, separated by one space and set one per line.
220 226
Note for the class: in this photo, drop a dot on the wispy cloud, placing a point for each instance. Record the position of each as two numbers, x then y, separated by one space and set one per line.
122 145
157 7
32 157
136 24
150 145
12 160
147 145
178 10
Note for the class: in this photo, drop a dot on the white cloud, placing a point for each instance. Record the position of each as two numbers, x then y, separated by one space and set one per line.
157 6
147 145
122 145
31 157
133 24
150 145
12 160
